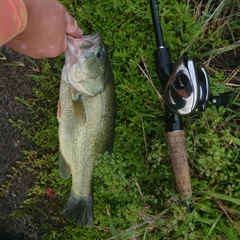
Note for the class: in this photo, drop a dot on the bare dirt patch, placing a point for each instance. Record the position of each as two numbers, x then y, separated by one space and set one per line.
14 82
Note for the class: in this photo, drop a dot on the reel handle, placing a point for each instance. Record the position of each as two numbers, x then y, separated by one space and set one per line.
177 147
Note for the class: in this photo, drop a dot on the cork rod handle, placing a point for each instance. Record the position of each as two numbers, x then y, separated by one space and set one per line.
178 153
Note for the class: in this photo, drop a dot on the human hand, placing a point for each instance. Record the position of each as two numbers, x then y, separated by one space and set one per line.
46 32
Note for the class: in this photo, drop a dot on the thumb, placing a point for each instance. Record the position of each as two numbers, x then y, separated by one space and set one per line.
72 28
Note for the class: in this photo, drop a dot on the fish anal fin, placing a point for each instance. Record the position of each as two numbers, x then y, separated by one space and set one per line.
80 210
63 166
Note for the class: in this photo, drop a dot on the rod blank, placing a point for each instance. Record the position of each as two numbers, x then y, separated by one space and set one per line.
156 24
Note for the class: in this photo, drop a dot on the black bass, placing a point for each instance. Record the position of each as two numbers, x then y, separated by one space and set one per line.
86 116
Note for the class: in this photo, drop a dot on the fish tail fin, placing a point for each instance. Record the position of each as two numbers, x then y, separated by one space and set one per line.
80 210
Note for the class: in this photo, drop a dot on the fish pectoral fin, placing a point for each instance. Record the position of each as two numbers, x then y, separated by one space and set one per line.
92 86
78 107
63 167
80 210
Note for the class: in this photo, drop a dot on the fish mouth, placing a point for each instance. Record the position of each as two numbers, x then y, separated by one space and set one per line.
83 46
93 39
77 54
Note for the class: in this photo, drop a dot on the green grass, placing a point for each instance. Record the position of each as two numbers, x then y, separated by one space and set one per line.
134 189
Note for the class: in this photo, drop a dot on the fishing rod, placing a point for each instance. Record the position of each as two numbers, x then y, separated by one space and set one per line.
186 91
175 134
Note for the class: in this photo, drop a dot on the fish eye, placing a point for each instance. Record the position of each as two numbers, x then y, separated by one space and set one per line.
100 54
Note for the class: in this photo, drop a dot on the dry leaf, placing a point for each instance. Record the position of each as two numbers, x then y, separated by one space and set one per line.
50 194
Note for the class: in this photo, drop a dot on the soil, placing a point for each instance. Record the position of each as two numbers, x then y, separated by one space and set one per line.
14 82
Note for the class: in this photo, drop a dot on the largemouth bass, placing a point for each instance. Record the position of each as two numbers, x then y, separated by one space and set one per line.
86 115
